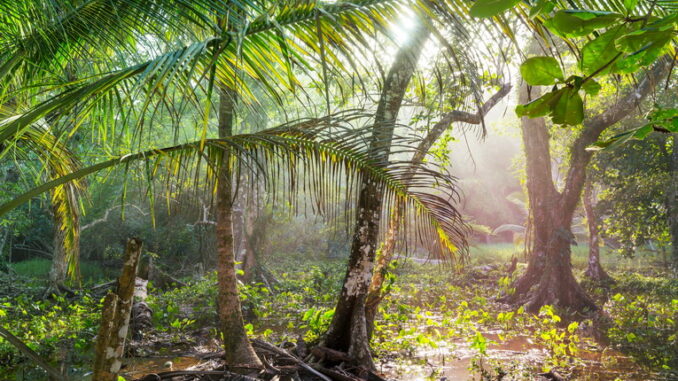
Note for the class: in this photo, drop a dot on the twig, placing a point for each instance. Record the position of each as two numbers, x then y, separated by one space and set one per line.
282 352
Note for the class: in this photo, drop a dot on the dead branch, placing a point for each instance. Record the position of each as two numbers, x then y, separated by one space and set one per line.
28 352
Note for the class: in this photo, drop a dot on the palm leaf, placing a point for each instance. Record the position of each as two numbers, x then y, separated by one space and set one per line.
313 162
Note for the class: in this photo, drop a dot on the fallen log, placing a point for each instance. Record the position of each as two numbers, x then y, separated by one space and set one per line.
142 315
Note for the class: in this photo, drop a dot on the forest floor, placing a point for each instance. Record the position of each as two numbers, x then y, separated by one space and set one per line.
437 323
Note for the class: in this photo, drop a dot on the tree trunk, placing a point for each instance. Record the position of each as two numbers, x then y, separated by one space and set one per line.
348 330
375 294
244 220
238 350
57 273
59 268
385 256
595 270
673 209
548 278
115 318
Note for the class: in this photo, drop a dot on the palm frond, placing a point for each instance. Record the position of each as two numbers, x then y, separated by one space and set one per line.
58 162
323 159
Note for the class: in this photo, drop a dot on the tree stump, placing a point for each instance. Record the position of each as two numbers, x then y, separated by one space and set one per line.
115 318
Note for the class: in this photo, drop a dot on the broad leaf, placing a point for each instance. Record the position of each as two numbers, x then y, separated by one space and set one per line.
542 7
541 71
490 8
643 39
541 106
591 87
575 23
639 133
630 4
569 110
601 51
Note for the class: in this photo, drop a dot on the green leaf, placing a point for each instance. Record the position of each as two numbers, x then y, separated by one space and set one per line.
630 4
542 7
600 51
541 106
490 8
649 45
639 133
642 39
591 87
569 110
541 71
577 23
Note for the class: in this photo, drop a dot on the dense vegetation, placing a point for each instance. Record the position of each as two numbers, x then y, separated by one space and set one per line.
338 190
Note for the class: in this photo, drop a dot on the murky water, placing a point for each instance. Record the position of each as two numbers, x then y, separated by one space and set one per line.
519 356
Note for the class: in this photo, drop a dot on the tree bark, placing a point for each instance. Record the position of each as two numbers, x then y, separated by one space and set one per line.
57 273
238 350
115 318
59 267
594 270
673 208
549 278
348 330
385 255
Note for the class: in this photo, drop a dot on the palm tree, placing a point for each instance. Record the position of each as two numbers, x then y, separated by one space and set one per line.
210 48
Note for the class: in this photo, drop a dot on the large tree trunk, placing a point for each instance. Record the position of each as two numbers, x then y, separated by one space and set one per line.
594 270
237 347
348 330
115 318
548 278
673 208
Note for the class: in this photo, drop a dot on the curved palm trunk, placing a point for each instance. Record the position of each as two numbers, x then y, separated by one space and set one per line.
594 270
237 347
548 278
348 330
385 256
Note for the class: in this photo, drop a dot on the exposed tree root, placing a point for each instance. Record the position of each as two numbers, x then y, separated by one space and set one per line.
278 362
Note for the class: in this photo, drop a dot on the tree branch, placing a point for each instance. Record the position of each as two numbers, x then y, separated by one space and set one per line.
28 352
105 217
595 126
457 116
